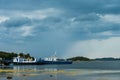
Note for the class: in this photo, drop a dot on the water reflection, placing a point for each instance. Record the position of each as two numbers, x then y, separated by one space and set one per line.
34 68
77 71
36 72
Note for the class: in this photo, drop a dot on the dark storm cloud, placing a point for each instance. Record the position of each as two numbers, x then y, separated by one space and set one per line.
16 22
73 6
51 24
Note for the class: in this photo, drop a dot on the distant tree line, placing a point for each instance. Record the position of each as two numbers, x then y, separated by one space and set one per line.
107 59
11 55
79 58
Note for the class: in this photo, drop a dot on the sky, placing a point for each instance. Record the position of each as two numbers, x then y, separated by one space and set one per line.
89 28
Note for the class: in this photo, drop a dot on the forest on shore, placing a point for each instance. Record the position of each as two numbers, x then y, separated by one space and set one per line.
10 55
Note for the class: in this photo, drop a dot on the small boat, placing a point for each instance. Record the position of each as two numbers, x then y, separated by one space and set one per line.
54 60
22 61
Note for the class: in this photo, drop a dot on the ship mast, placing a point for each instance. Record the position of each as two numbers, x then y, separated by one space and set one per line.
55 54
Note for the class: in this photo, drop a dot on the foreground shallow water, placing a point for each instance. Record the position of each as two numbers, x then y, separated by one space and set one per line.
77 71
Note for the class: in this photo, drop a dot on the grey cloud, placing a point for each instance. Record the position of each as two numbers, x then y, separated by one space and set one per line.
49 24
53 19
80 26
87 17
16 22
91 29
85 13
74 6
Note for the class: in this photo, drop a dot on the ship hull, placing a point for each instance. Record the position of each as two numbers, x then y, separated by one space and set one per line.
56 62
32 63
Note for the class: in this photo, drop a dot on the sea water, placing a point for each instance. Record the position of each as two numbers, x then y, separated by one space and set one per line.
86 70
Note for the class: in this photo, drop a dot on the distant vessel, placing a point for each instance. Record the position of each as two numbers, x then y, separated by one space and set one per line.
54 60
4 62
22 61
51 60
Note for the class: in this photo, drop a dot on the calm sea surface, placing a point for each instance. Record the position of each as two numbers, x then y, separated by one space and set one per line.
91 70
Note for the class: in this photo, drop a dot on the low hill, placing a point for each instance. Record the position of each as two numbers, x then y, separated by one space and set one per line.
79 58
107 59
